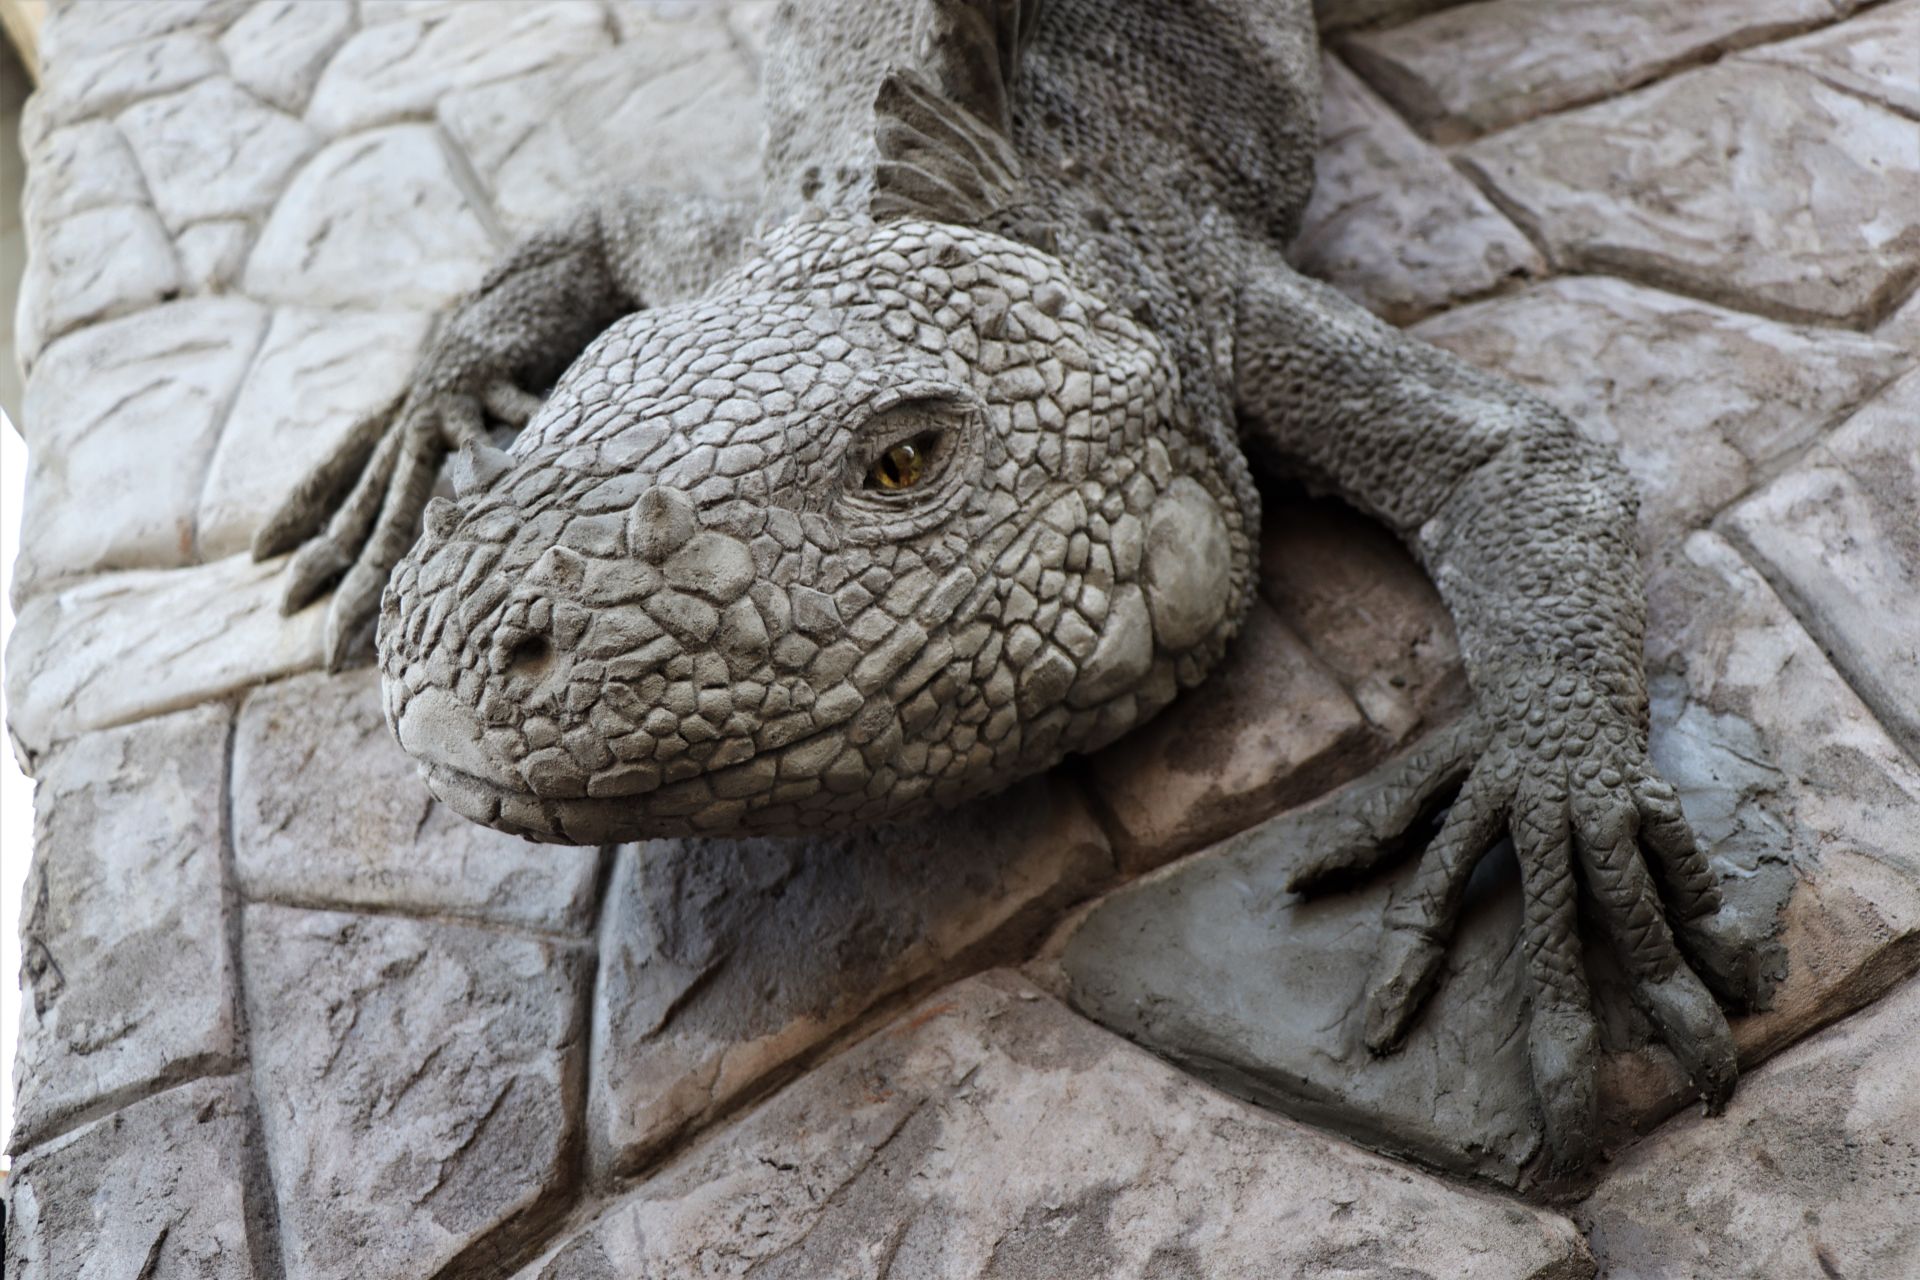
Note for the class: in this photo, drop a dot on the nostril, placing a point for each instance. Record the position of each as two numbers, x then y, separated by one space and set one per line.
529 656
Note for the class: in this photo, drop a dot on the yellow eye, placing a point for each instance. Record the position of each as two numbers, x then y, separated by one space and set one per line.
902 466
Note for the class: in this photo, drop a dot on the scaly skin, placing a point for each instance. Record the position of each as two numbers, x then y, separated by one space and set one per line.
1047 252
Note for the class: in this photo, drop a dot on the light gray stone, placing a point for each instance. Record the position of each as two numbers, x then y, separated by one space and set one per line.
1270 728
127 984
94 265
319 371
82 167
418 1086
214 151
399 69
99 79
168 1187
1840 536
1392 222
1474 68
1340 15
73 29
1701 402
278 47
122 646
1750 184
724 960
989 1132
624 117
212 255
129 408
327 810
377 220
1876 55
1811 1172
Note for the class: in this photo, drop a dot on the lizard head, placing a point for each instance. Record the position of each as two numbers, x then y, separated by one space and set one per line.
890 518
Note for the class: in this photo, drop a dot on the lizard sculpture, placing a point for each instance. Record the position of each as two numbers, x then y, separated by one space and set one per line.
933 468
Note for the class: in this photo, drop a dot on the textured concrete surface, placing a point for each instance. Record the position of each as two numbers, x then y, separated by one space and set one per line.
290 1017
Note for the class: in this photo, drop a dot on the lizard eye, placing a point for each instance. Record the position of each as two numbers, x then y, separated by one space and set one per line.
904 464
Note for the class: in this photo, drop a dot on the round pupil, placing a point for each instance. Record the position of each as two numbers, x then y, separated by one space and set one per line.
900 466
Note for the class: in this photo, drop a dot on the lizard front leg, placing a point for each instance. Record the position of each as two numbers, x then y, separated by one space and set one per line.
354 516
1529 531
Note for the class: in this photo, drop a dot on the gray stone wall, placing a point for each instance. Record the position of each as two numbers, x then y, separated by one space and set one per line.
286 1016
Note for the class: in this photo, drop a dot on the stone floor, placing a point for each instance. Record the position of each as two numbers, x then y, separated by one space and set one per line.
287 1017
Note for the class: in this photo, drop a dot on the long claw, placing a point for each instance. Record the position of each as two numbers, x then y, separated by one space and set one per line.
1563 1046
1697 1032
317 564
302 512
1402 978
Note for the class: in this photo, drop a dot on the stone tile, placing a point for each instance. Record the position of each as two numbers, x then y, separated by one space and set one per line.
327 810
380 221
1876 55
989 1132
130 410
73 29
1342 15
126 979
540 141
1701 402
1392 223
724 960
418 1085
214 151
1474 68
1796 794
1839 535
1753 185
122 646
168 1187
1812 1171
82 167
212 255
1271 727
100 78
398 70
92 266
278 47
1366 608
319 371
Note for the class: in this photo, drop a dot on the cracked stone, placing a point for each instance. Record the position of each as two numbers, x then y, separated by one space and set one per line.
1701 402
318 373
726 959
989 1132
1392 223
214 151
74 29
377 220
327 810
278 48
1750 184
124 991
170 1186
398 70
72 170
1341 15
131 409
92 266
121 646
418 1085
1810 1172
1271 727
97 79
1876 55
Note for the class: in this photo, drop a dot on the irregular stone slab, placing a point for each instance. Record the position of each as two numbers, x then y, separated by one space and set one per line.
724 960
212 255
395 70
378 220
99 79
1876 55
327 810
122 646
214 151
627 116
168 1187
1474 68
1810 1172
82 167
94 265
127 982
1366 608
1340 15
1271 727
278 48
1749 184
1701 402
73 29
1840 536
989 1132
1392 223
318 373
418 1086
128 409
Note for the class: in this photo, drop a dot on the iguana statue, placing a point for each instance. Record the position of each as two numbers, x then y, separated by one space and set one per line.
932 468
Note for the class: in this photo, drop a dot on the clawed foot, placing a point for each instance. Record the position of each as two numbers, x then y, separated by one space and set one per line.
369 495
1588 819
